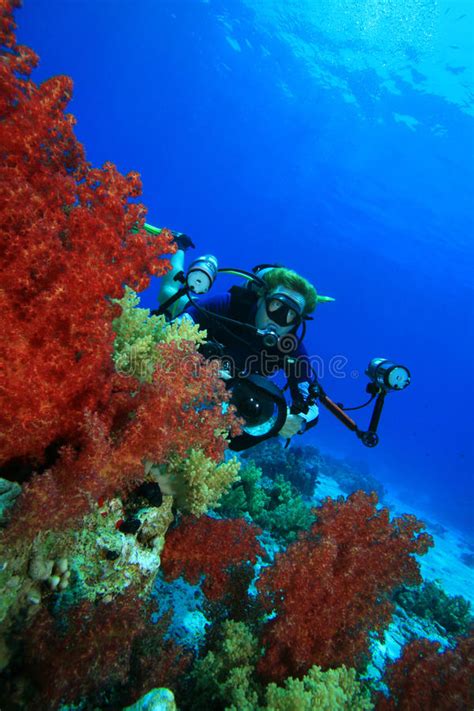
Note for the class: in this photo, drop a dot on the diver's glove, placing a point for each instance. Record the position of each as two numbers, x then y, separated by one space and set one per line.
293 425
182 241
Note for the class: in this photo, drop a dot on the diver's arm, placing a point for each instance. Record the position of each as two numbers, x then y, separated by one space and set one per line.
303 406
214 305
313 410
219 305
298 423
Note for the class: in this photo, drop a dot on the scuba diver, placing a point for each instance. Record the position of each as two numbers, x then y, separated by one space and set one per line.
257 330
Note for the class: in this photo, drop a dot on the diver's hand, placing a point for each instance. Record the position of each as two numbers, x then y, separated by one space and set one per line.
292 426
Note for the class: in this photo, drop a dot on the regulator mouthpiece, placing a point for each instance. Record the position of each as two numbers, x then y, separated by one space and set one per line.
202 273
270 337
387 375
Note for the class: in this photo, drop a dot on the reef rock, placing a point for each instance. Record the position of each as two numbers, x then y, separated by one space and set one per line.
155 700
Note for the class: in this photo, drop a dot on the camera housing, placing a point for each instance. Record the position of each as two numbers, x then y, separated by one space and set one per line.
261 405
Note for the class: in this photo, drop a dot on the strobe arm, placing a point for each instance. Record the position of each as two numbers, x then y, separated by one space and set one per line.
369 438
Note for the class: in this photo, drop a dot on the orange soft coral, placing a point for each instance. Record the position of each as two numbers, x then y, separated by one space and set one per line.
331 587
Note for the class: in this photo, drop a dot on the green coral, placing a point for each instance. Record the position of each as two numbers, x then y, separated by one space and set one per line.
247 496
273 505
138 333
431 602
287 513
225 678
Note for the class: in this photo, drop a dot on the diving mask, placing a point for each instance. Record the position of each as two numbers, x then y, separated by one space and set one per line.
283 309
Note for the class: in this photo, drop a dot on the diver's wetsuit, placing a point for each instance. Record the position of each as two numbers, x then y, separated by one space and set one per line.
243 348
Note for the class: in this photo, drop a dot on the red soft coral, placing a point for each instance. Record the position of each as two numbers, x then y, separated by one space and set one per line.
98 652
165 417
330 588
210 547
424 679
69 244
67 247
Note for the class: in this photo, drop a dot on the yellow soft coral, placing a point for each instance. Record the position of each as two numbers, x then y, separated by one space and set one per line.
226 678
138 333
322 690
226 675
197 482
184 330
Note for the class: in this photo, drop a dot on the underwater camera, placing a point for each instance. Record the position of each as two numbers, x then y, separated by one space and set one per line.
261 405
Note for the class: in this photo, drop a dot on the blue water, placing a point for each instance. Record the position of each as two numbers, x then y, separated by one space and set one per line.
334 136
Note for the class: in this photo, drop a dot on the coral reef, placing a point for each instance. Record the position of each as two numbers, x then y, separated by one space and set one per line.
101 424
137 335
196 481
84 435
272 505
114 424
425 679
96 562
331 587
286 514
69 661
299 465
323 690
163 419
452 613
99 655
226 678
247 495
67 249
